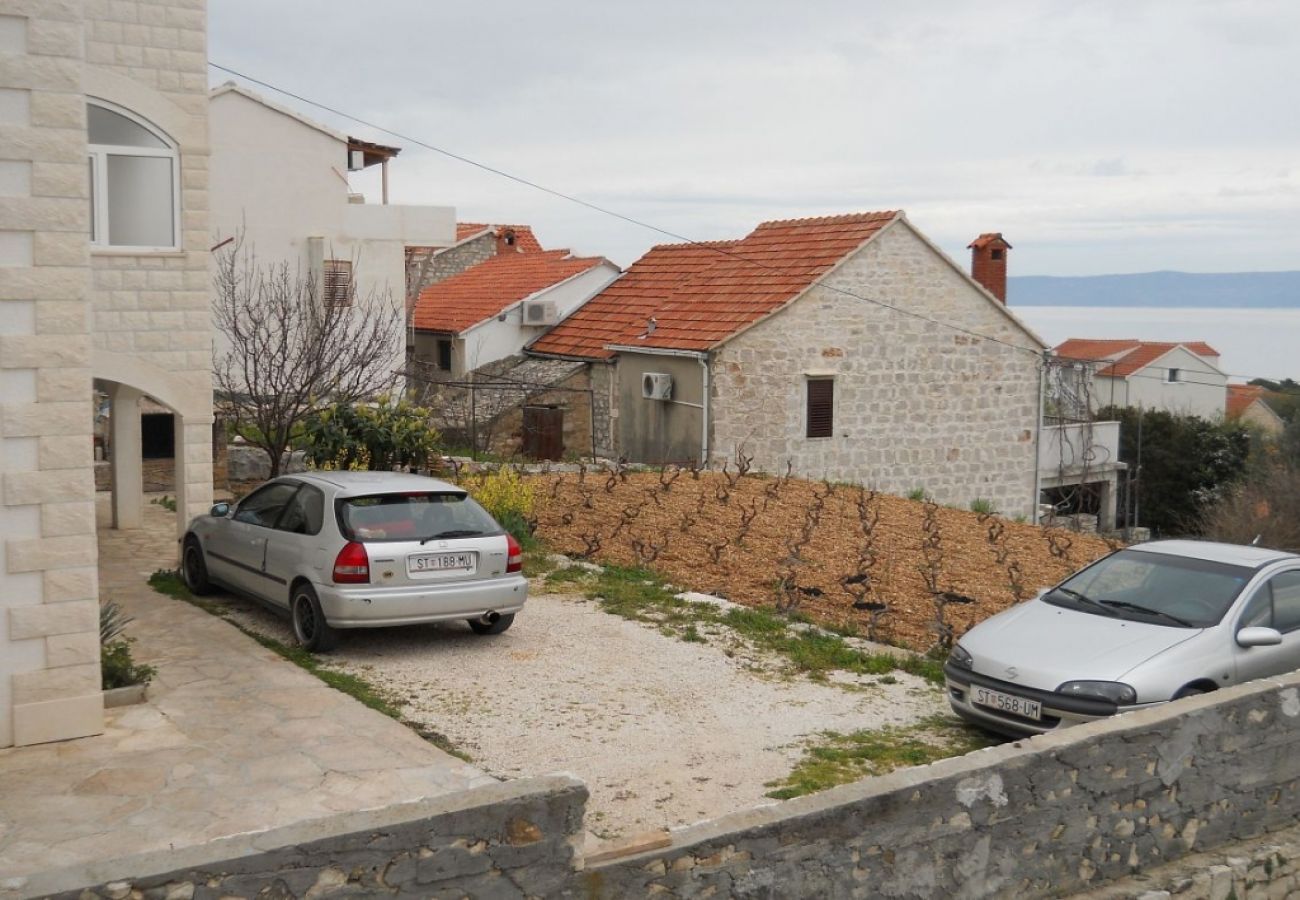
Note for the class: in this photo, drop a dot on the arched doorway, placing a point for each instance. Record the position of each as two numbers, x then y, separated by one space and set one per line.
137 393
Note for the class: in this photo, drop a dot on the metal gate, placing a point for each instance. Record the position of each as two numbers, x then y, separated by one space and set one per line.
543 432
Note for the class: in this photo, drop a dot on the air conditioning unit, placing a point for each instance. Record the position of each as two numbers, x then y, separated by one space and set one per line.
541 312
657 386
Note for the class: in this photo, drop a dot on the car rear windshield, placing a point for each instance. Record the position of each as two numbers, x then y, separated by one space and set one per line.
1178 591
415 516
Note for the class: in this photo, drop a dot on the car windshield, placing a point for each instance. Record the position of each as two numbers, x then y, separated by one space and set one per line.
412 516
1177 591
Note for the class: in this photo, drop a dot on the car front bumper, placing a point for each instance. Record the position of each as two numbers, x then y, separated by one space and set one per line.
1058 710
374 606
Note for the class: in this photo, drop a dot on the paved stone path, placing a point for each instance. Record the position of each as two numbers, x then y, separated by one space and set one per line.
233 739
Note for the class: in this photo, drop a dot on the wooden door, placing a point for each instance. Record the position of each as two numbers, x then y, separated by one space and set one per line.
543 432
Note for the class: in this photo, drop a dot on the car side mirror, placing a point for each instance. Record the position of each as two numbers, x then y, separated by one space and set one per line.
220 510
1257 636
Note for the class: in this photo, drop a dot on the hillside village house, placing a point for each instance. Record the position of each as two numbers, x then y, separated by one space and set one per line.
280 180
493 309
1182 378
103 283
1248 404
774 346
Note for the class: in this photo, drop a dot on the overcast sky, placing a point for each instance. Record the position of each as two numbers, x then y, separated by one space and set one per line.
1097 136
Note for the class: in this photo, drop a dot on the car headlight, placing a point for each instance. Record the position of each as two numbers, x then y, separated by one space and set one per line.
960 658
1111 691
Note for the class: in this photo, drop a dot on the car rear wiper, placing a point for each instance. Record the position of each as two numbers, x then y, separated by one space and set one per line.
1084 598
1147 610
453 533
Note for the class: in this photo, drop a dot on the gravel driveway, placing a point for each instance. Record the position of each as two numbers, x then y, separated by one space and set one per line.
663 731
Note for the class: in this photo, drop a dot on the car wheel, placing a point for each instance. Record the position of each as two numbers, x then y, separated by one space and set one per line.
309 625
496 627
194 570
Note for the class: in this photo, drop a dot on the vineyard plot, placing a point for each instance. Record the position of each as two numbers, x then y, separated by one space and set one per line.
905 572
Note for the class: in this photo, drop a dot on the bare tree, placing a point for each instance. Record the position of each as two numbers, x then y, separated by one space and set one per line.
290 348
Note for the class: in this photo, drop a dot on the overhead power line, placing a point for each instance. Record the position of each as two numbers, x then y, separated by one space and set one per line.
640 223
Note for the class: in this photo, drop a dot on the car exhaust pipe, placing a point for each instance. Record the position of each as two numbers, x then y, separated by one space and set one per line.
490 618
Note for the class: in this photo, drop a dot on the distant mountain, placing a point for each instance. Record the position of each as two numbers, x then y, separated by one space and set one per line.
1186 289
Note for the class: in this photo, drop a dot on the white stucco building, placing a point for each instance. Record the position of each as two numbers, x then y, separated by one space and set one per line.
280 180
103 282
1182 378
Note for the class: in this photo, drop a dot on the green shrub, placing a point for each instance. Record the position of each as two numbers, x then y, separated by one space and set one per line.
118 669
983 507
509 500
918 494
381 436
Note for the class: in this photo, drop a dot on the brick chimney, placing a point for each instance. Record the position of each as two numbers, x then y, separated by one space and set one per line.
988 263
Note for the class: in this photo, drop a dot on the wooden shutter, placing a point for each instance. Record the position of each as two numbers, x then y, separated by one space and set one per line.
821 407
338 282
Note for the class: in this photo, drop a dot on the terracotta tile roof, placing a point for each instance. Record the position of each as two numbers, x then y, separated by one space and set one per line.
493 286
700 297
1127 355
525 240
1241 396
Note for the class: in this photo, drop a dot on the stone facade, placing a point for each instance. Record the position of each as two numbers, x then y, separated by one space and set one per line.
916 405
1043 817
603 378
137 324
440 264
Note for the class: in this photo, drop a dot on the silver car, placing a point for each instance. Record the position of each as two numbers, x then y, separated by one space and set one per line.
1145 625
339 550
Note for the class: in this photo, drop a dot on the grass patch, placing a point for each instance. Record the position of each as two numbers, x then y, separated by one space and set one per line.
843 758
641 595
537 561
166 581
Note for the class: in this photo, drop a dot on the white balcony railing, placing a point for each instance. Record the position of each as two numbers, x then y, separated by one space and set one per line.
1076 446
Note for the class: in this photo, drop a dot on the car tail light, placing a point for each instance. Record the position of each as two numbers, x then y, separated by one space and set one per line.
515 562
352 565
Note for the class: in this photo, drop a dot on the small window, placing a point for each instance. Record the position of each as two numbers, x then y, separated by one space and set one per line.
444 355
338 282
263 507
1175 376
995 254
821 407
134 188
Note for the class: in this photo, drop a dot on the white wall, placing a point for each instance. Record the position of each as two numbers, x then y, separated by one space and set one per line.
1202 390
495 339
284 182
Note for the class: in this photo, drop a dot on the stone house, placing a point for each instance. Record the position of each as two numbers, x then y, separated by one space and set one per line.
1182 378
1248 404
848 347
103 284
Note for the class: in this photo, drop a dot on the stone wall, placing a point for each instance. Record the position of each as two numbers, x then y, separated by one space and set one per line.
1049 816
571 396
917 406
440 265
49 647
604 399
503 840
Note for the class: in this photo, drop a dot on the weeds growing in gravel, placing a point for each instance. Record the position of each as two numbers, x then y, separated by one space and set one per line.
167 581
643 596
843 758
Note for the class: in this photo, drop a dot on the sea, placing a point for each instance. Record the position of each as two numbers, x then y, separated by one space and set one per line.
1252 343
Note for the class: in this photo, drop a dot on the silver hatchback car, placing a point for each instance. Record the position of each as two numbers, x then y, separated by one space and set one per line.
338 550
1151 623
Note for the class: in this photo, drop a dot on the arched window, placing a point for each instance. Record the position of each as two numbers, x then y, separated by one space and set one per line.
134 182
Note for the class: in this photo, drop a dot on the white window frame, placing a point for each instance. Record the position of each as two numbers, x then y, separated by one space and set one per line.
98 156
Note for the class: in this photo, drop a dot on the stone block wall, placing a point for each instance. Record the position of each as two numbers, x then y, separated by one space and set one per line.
49 646
1043 817
603 379
571 396
916 405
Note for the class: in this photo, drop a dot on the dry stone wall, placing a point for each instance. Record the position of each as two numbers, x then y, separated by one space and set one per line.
1045 817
